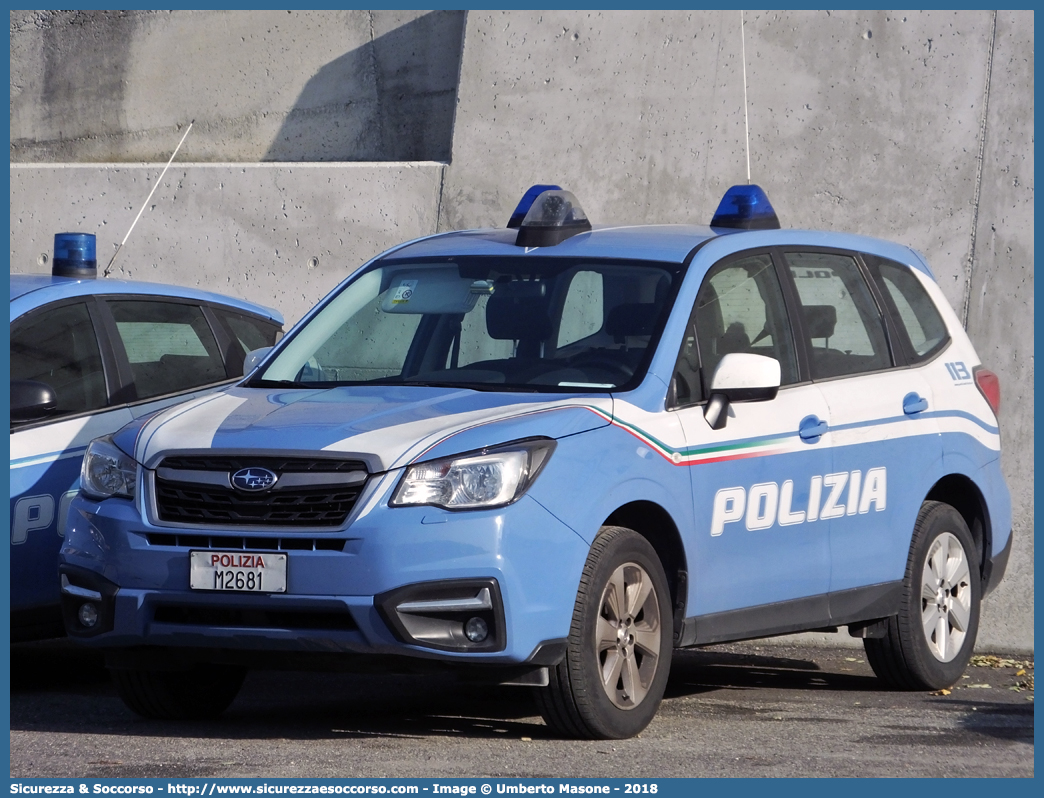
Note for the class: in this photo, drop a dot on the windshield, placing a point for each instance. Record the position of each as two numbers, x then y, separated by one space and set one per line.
484 323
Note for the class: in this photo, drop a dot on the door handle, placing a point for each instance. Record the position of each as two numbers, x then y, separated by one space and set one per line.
811 428
914 403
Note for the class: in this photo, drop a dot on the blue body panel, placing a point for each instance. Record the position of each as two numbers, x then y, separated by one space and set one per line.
592 475
742 568
40 496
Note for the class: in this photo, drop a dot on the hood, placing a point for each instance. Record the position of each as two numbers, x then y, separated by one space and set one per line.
386 426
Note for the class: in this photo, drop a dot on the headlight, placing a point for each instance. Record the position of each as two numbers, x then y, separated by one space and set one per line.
106 471
490 478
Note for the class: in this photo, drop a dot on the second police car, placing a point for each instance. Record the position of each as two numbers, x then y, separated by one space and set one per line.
87 356
552 454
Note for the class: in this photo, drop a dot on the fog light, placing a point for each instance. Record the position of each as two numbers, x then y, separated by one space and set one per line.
476 630
89 615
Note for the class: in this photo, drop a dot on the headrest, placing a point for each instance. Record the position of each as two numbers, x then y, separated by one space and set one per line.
631 318
517 318
735 339
820 320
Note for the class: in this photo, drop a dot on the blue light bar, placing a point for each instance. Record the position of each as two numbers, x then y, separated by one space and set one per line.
526 203
74 255
745 208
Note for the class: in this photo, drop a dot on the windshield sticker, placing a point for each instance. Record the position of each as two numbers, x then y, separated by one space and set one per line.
404 292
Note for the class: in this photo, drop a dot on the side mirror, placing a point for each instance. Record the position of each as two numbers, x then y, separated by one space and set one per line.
740 377
253 358
31 401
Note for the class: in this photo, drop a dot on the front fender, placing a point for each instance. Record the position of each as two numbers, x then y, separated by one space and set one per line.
595 473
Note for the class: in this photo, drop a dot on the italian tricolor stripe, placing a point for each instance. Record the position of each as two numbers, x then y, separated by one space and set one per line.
739 450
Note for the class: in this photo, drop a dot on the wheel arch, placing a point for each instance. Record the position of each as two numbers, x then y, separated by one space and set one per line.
961 493
655 524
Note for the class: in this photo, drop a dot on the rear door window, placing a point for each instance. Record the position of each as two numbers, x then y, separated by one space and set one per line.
170 346
844 326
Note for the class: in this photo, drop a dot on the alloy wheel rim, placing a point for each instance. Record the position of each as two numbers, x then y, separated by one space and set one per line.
628 635
945 597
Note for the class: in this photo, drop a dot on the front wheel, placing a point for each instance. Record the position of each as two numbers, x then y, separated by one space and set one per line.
928 644
618 655
198 693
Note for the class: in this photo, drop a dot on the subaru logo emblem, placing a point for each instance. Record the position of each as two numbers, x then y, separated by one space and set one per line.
253 479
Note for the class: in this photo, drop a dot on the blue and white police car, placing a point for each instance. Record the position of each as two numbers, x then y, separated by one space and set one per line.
550 455
87 357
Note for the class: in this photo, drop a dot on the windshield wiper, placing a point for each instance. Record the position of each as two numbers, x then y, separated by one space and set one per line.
395 381
259 383
471 386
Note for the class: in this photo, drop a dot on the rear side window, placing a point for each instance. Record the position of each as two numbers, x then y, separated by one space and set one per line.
170 346
58 347
248 333
845 329
913 309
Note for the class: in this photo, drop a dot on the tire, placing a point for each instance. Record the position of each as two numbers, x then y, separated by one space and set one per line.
199 693
612 679
928 644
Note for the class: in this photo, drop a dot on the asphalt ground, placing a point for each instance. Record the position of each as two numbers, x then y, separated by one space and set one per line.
736 710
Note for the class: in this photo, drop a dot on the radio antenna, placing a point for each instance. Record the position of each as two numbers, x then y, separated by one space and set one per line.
746 121
158 181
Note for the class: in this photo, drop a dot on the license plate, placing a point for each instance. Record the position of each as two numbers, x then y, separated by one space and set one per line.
240 571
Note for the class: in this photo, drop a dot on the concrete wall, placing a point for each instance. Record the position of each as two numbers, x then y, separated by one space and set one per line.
280 234
116 86
913 126
998 299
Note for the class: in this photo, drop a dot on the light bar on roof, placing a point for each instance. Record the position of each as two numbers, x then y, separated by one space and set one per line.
745 208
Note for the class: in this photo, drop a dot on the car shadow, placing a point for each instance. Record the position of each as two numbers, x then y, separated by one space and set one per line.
46 664
1013 722
59 686
695 671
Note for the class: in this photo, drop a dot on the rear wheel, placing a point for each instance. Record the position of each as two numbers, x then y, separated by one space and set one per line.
612 679
928 644
201 692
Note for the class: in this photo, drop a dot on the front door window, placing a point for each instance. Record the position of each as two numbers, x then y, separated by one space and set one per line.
58 347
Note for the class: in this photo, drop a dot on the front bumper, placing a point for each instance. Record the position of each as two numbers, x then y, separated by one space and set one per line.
340 598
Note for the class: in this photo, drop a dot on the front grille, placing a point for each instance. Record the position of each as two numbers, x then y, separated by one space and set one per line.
226 542
255 619
281 465
189 501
